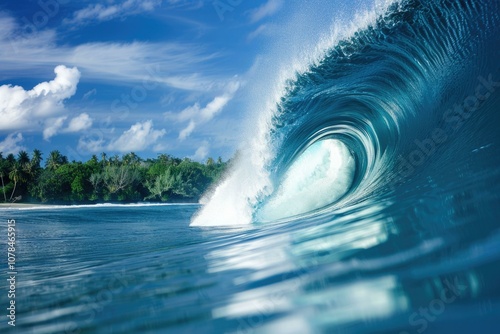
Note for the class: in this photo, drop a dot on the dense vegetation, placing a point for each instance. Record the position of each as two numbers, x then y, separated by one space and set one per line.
115 179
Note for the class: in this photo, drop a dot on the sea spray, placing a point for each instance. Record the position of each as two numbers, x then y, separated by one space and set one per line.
249 181
376 87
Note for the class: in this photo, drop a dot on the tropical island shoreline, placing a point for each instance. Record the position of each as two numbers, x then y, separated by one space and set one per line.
25 206
22 205
115 180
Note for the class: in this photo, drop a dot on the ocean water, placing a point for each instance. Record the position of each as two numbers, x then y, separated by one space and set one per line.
369 202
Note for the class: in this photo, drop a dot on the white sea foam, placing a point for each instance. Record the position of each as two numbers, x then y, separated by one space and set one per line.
320 176
101 205
233 201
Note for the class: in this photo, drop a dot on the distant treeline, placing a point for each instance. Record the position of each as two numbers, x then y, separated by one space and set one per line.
106 179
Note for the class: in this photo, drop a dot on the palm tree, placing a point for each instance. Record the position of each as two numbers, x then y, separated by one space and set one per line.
131 159
55 160
32 168
3 185
164 158
114 160
36 159
11 159
16 176
2 174
104 157
94 160
23 158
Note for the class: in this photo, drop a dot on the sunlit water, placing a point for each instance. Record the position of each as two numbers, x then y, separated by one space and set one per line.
368 202
426 260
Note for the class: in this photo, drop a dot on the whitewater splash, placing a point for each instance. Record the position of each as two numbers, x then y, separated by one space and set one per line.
319 176
378 94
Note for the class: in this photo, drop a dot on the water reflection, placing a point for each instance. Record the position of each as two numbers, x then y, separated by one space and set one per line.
395 264
286 272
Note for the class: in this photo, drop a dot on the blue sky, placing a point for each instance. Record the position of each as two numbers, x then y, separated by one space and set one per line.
150 76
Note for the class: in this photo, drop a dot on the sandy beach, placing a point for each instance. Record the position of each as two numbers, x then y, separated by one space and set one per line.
19 205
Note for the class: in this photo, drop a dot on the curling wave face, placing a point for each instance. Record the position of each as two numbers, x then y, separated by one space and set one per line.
387 99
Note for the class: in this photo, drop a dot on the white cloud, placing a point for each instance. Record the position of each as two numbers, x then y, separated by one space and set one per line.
202 151
99 12
196 115
7 25
259 31
186 132
86 144
177 65
79 123
161 147
11 144
267 9
52 127
22 109
139 137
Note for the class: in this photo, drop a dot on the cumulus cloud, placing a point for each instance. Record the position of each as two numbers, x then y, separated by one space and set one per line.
267 9
26 109
195 115
202 151
52 127
79 123
11 144
139 137
90 145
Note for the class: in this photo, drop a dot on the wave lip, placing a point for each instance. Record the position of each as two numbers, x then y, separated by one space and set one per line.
377 91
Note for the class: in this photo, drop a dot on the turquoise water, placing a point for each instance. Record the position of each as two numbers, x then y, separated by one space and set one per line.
107 269
367 202
371 269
